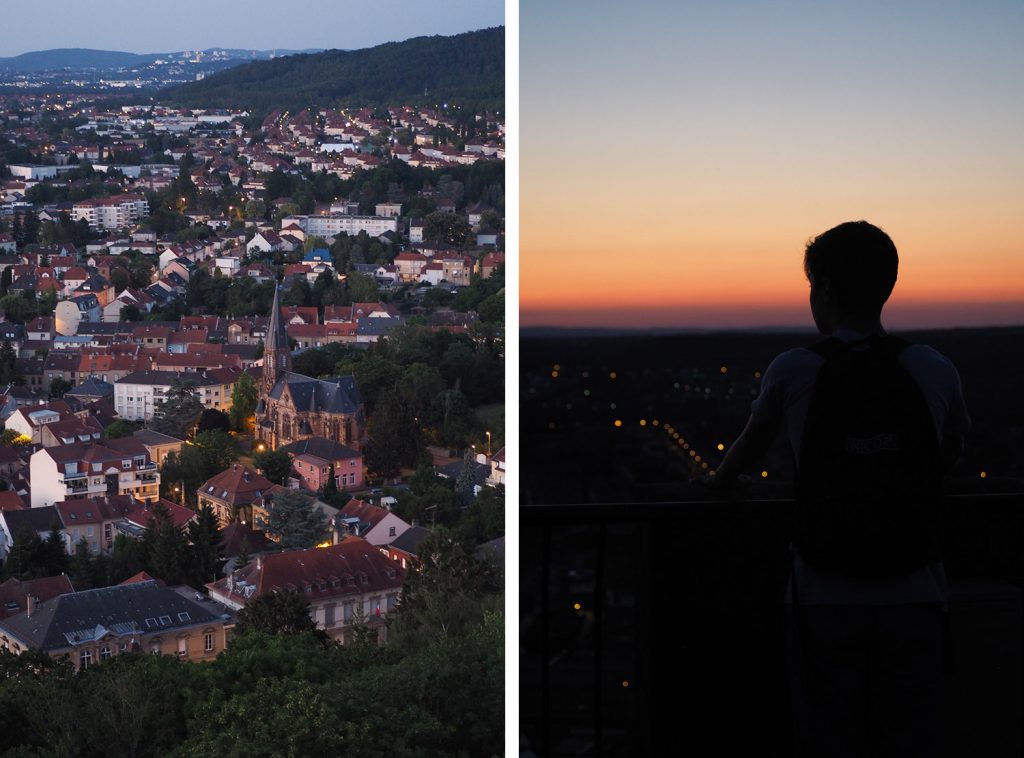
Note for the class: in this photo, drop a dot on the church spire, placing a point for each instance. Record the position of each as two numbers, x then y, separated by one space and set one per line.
277 355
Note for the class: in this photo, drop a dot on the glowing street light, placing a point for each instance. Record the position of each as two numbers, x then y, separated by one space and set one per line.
488 444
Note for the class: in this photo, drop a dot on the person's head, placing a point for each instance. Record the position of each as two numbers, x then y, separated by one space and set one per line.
852 270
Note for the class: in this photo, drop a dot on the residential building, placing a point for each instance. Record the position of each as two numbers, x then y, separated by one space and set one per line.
231 493
92 626
117 212
138 394
376 525
117 466
313 457
331 225
340 582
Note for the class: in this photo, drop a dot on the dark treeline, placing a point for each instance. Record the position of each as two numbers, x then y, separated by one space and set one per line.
436 688
466 69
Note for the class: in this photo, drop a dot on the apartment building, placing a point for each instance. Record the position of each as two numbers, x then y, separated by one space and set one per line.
117 467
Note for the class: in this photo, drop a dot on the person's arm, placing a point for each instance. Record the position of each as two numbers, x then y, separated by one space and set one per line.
753 442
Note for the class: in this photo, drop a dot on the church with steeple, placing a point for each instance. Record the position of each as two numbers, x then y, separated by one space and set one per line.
294 407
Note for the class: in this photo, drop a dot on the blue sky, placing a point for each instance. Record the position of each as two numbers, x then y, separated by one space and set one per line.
150 27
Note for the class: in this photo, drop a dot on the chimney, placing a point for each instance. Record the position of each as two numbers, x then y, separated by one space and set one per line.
30 606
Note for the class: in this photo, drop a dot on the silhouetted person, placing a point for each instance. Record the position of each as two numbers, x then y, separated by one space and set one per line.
873 422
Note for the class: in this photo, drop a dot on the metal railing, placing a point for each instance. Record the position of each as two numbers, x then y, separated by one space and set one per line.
657 628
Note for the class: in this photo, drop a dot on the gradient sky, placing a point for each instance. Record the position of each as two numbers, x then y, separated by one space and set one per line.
676 157
153 27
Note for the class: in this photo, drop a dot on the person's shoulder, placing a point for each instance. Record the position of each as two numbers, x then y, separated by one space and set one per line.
795 360
927 357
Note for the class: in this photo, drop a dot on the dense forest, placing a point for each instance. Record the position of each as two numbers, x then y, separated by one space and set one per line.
465 69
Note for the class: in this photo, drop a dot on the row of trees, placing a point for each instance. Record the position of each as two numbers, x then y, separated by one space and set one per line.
444 657
174 555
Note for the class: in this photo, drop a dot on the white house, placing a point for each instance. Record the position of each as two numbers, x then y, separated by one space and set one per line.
93 468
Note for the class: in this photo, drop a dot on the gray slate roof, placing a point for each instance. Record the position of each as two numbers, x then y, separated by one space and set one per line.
86 617
321 447
31 519
337 395
410 539
92 387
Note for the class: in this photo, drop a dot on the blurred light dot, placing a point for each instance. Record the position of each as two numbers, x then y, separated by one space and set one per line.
577 606
655 422
554 374
551 425
612 406
720 446
557 367
643 422
704 465
675 435
757 374
676 385
693 453
625 682
586 393
984 474
618 422
686 446
612 375
724 369
764 474
697 458
586 374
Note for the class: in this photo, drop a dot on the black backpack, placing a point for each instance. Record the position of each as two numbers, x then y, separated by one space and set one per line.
867 484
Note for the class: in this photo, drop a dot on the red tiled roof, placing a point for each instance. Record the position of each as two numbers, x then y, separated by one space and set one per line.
367 513
352 567
10 501
142 576
238 485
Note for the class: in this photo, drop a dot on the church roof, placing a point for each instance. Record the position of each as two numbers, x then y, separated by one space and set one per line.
277 337
337 395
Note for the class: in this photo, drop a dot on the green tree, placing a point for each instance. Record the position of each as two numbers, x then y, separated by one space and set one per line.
446 595
130 312
19 309
275 465
120 428
180 410
293 520
59 386
361 288
276 613
166 547
244 397
446 228
204 543
394 438
8 364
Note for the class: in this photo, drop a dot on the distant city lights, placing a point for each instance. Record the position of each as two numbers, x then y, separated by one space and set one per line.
764 474
720 446
618 422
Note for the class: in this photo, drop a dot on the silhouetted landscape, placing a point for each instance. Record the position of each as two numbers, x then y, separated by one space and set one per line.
680 396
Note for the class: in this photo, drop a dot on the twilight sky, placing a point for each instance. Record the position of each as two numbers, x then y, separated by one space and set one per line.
158 27
676 157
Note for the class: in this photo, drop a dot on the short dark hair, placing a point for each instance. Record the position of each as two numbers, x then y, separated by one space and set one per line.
859 261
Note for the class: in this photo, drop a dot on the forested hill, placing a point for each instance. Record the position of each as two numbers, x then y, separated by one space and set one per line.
467 69
76 58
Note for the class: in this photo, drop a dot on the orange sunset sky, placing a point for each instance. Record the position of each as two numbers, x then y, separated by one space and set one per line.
676 157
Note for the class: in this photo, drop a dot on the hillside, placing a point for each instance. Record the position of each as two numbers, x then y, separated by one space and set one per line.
78 58
466 69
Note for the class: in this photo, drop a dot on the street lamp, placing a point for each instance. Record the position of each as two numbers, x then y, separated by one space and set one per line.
488 444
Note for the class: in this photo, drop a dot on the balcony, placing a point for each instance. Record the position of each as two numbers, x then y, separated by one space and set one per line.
656 629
